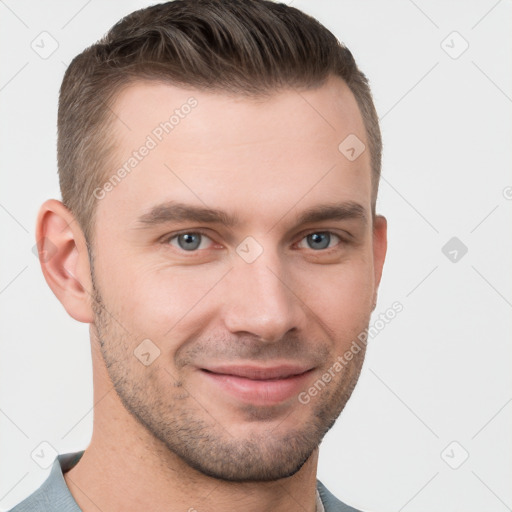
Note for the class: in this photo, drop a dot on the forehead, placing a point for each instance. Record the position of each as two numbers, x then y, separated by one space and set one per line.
256 155
144 105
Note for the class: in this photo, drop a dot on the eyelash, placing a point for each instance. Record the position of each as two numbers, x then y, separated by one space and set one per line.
167 240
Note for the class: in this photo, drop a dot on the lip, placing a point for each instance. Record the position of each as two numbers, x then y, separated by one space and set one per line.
259 385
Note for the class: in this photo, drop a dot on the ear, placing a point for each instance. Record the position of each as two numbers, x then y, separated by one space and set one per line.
380 245
64 259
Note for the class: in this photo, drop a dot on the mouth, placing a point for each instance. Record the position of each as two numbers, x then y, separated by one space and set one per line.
259 385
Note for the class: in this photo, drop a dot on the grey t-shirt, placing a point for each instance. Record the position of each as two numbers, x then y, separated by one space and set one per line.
53 495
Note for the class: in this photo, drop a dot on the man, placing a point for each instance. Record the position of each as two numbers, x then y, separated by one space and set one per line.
219 165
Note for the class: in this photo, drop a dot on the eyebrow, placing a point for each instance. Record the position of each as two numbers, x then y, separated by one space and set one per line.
337 211
180 212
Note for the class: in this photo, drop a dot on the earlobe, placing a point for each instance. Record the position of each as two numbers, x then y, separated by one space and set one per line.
64 259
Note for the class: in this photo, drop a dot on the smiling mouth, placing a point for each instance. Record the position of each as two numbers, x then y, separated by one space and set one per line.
258 376
258 385
255 372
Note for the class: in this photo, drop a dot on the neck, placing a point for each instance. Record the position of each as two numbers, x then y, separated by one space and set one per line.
126 468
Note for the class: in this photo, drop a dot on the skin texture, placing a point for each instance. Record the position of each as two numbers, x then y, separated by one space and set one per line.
165 436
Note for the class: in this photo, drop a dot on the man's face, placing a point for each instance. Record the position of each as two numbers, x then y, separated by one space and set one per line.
242 316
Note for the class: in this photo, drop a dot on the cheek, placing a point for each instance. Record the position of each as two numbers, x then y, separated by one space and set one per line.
158 302
342 295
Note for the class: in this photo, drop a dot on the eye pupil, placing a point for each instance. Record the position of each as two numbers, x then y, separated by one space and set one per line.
191 241
323 239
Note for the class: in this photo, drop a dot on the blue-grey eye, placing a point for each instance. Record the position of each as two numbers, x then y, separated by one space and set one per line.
319 240
189 241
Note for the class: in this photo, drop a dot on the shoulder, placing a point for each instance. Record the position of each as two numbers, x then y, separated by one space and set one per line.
53 494
330 502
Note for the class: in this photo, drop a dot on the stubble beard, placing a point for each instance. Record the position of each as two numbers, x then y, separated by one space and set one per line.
182 422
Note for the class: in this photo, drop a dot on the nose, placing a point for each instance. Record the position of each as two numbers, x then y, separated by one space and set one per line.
261 299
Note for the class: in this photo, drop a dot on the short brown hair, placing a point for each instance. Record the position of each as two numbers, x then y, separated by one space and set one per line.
249 47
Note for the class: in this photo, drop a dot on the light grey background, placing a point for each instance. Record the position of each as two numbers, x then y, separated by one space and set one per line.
438 373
